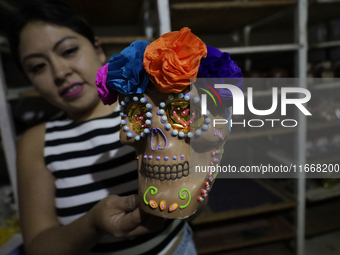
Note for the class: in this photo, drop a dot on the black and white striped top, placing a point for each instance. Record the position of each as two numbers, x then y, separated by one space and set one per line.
89 163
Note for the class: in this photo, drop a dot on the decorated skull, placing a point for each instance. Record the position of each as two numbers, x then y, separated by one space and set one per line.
162 119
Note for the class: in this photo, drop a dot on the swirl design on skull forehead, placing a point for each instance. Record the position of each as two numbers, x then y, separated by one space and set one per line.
158 146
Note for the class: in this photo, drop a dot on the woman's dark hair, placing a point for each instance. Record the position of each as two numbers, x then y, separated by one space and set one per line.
49 11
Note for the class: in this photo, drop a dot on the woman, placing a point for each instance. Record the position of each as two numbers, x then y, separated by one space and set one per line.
75 179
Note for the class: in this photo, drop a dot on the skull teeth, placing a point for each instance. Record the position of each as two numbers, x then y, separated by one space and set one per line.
167 172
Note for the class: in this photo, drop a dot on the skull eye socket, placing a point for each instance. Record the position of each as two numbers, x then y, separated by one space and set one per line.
184 117
137 117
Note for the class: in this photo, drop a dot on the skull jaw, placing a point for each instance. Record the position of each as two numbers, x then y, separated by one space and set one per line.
176 191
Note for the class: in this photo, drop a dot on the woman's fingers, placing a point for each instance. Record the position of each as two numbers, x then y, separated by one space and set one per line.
128 203
127 222
122 217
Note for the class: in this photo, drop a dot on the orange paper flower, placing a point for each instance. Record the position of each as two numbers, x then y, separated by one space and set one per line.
173 59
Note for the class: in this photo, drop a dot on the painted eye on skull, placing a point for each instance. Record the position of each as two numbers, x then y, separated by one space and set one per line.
137 117
184 117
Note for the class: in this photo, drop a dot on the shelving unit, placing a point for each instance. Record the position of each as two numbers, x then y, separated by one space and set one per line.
122 39
322 218
279 200
320 193
278 248
255 232
280 131
213 15
325 45
236 4
261 49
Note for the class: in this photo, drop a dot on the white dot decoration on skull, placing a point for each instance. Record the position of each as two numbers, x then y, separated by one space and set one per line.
161 127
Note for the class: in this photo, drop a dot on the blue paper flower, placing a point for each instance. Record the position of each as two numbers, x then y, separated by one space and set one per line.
126 73
218 64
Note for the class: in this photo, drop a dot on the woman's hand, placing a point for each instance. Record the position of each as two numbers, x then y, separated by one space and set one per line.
123 218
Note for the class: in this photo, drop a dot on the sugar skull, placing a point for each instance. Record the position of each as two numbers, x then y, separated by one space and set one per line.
162 119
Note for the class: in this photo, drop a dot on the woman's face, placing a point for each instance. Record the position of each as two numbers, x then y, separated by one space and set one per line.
62 65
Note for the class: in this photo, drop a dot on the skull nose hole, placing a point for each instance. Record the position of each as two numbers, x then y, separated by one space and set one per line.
158 139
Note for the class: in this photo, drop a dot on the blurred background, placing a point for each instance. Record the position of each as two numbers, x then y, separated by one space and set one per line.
244 216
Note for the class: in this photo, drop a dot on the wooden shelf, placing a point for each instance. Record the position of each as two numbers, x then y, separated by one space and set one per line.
245 234
277 48
16 93
327 1
319 11
323 45
313 87
314 193
323 10
321 193
322 218
262 133
109 13
208 216
279 248
288 159
325 244
263 48
214 212
231 4
324 160
122 39
218 17
318 126
280 131
323 86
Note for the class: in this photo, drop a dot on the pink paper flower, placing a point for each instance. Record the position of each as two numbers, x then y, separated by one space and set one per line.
107 95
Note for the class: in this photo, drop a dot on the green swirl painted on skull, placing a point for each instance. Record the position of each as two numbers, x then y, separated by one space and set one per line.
153 191
183 196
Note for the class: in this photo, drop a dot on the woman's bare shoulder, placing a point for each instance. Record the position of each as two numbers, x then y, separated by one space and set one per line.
35 185
33 139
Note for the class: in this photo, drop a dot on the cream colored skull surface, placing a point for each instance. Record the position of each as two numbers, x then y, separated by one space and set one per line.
171 138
